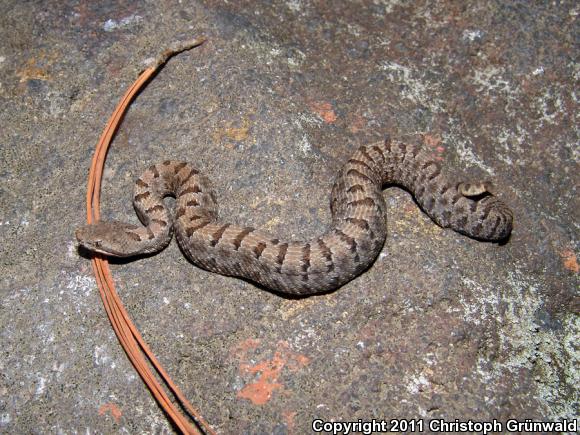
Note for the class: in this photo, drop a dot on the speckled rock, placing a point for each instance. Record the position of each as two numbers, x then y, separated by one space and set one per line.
440 327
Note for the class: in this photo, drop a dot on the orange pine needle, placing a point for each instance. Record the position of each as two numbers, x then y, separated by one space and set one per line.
131 340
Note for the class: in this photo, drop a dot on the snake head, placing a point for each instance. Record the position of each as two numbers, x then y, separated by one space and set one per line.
111 238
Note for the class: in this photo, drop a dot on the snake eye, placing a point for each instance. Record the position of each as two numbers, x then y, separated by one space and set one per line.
98 243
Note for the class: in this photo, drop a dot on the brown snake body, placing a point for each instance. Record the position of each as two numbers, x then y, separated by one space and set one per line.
354 240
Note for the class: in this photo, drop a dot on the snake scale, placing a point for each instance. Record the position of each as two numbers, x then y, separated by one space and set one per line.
355 238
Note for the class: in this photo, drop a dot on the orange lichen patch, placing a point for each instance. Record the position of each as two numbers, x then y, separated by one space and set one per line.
267 371
357 124
237 134
289 420
112 409
323 109
31 70
260 391
231 132
431 140
570 261
290 308
434 142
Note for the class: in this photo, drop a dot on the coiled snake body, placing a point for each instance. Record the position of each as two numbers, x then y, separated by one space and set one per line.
323 263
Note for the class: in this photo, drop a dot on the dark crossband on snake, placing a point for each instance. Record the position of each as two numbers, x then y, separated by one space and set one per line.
353 241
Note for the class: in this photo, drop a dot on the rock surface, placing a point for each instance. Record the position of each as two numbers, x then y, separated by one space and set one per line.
440 326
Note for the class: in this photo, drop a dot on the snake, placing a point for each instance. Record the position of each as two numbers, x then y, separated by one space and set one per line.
324 263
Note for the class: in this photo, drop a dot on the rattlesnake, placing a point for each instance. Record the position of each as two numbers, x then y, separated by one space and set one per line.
354 240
